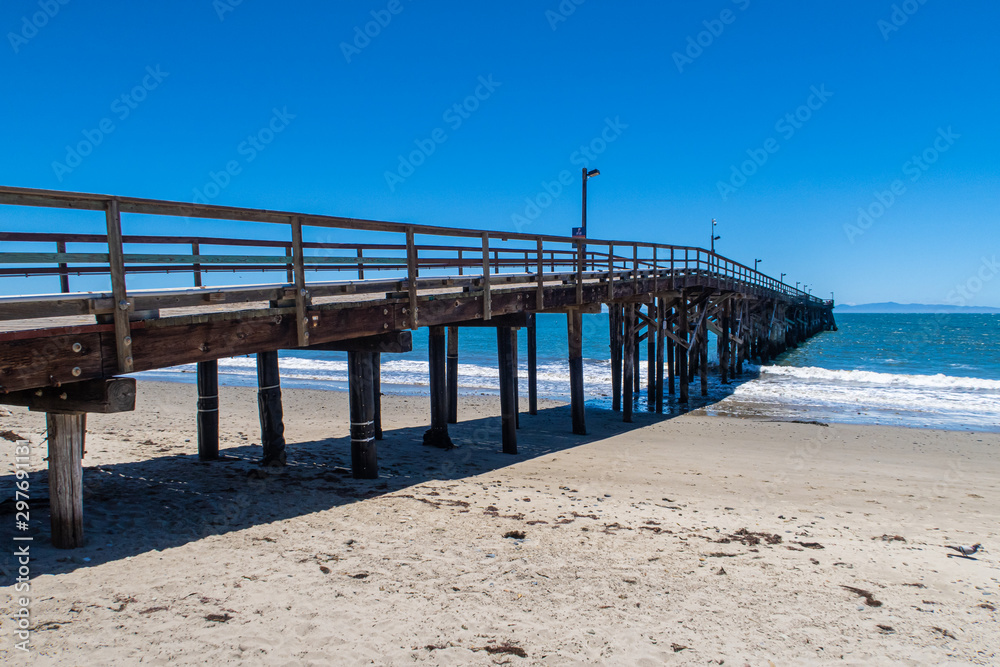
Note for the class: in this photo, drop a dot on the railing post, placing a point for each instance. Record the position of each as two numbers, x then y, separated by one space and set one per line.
361 264
411 276
611 271
116 264
540 290
656 272
460 267
298 267
63 273
486 276
635 269
580 250
196 250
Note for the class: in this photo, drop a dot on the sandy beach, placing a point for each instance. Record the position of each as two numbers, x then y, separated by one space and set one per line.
692 540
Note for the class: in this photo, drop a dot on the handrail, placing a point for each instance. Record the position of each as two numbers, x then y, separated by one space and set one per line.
579 256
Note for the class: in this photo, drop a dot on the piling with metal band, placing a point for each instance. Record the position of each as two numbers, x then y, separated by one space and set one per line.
377 392
364 453
208 410
272 428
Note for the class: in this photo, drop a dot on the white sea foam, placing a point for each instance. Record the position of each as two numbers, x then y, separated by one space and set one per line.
864 396
883 379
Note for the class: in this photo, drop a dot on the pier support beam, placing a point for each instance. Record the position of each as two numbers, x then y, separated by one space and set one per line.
724 343
437 434
272 428
615 319
628 373
532 366
703 351
671 351
660 339
364 453
651 357
634 351
508 418
208 410
574 331
452 375
66 434
515 378
683 354
377 392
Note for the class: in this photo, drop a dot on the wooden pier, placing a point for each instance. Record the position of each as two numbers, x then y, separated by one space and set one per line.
64 353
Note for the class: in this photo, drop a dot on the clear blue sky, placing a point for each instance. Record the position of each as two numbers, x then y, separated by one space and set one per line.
887 95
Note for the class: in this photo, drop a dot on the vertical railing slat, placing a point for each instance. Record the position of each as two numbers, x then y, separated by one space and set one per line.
487 312
411 276
116 264
298 268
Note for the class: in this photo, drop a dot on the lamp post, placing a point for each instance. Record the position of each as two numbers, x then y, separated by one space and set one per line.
714 237
796 285
783 278
587 175
756 263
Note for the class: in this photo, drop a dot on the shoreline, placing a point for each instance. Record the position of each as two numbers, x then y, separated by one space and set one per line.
627 532
723 400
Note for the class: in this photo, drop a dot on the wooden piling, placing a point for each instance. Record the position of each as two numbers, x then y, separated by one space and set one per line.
634 351
703 350
532 366
208 410
364 453
628 373
505 362
724 343
66 433
272 428
574 327
515 378
660 339
682 352
615 320
377 392
437 434
651 357
452 375
671 351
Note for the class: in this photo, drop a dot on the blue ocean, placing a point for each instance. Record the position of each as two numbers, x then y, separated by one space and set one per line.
931 371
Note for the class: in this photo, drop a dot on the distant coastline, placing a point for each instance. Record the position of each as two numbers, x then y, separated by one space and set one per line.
890 307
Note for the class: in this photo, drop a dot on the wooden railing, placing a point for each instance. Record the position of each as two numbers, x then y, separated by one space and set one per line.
482 258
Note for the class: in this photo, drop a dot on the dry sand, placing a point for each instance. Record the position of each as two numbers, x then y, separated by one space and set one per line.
693 540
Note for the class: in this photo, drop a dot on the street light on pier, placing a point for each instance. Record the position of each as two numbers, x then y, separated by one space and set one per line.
756 263
796 285
783 278
587 175
714 237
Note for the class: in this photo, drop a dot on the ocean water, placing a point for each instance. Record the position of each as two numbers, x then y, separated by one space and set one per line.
936 371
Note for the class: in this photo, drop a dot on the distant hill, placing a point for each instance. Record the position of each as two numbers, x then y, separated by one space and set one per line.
915 308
